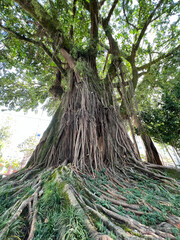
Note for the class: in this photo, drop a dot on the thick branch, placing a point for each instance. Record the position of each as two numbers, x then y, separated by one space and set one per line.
101 3
114 49
142 74
74 13
136 46
147 65
53 57
94 18
35 9
18 36
39 44
111 11
86 5
64 53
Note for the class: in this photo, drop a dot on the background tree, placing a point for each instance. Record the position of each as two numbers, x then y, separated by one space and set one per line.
4 137
27 147
85 156
8 163
162 115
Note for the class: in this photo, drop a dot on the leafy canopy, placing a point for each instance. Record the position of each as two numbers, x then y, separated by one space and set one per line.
37 36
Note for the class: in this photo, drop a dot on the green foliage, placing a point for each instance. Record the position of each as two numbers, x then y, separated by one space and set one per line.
28 50
28 146
147 192
15 231
57 219
4 197
102 228
126 229
73 226
83 68
173 173
27 72
4 136
162 116
153 193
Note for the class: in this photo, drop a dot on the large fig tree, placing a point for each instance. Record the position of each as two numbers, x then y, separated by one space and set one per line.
85 179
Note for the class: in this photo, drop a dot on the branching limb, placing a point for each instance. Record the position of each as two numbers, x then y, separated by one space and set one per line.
126 17
148 21
147 65
107 19
55 59
36 43
18 36
101 3
142 73
35 9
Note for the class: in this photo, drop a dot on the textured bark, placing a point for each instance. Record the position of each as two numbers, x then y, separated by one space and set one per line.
152 155
81 178
85 132
151 151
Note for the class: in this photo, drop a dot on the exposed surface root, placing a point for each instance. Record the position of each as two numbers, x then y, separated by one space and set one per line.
66 204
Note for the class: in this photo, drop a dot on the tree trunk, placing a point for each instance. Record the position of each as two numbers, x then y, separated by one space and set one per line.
86 133
80 181
152 154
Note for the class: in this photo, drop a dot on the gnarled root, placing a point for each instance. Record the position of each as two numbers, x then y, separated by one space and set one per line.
100 206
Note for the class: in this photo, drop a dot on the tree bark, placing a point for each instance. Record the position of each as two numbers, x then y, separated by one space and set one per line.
79 182
152 154
85 132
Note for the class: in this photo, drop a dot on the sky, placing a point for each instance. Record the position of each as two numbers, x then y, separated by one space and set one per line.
22 125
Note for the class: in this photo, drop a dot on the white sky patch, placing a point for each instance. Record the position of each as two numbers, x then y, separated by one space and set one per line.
23 125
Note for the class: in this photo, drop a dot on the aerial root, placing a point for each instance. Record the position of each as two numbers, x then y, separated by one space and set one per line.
89 225
18 212
161 177
110 192
119 232
122 219
101 199
135 224
35 200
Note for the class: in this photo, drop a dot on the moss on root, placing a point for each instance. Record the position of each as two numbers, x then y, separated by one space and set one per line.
57 218
173 173
64 204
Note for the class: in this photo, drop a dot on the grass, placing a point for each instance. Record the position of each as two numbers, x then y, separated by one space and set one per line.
58 219
146 192
102 229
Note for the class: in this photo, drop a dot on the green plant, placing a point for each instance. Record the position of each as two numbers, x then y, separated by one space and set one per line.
72 225
101 228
